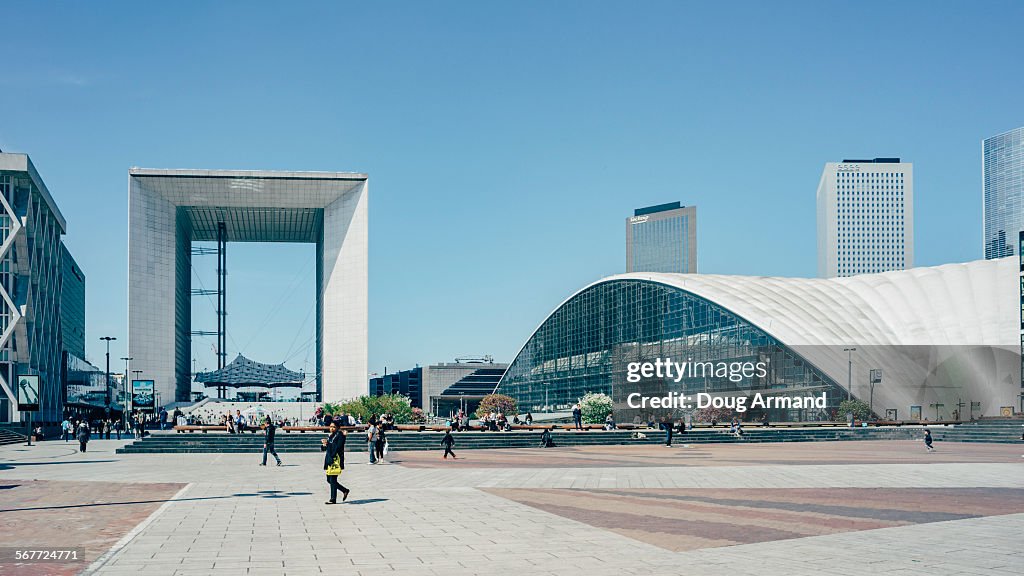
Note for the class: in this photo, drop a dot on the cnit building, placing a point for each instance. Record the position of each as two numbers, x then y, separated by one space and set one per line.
943 338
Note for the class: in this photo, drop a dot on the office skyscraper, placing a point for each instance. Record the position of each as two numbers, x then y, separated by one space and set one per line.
1003 183
662 238
865 217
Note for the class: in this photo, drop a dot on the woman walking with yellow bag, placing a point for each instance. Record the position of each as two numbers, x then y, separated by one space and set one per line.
334 461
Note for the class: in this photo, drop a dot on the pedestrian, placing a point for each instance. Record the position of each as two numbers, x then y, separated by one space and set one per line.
928 440
529 419
448 441
163 418
382 441
577 416
545 439
609 422
268 442
65 428
83 435
239 422
666 425
371 440
334 461
117 428
106 429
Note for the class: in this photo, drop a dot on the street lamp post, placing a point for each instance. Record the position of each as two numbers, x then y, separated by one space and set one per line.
108 340
875 377
849 371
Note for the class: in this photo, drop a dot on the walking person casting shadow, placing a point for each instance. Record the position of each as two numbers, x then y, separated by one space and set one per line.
334 461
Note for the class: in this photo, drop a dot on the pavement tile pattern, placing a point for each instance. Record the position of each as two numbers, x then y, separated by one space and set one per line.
44 514
681 520
882 508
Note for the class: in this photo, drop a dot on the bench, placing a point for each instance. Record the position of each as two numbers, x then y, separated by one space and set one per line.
323 429
203 429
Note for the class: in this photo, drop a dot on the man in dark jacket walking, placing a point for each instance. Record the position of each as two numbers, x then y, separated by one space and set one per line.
448 441
268 442
83 436
666 425
577 416
334 461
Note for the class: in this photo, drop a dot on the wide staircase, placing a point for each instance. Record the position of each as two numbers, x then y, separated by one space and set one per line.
1006 430
8 436
171 442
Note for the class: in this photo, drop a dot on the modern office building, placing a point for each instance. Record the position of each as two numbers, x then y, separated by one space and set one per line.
171 209
451 386
408 383
1020 253
72 305
865 217
31 279
1003 184
662 238
939 335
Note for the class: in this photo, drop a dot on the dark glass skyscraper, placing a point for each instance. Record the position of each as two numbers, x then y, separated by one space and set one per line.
662 238
1003 181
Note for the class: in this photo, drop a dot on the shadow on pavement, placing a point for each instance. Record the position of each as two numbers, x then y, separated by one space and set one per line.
367 501
264 494
10 466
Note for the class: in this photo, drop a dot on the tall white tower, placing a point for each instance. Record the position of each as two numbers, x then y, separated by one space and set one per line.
865 217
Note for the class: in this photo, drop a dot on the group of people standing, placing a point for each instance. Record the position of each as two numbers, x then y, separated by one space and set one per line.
83 430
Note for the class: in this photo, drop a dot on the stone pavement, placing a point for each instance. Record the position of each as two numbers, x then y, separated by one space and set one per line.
680 510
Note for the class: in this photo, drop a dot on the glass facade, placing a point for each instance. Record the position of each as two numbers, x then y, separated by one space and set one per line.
1003 180
407 383
72 305
30 279
662 240
586 345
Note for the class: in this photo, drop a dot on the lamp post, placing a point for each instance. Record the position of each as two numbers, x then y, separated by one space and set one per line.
875 377
108 340
849 371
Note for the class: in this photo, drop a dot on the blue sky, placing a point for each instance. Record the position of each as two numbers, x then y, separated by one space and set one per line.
505 142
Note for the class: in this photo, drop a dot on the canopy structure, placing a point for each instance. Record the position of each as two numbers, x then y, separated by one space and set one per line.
243 372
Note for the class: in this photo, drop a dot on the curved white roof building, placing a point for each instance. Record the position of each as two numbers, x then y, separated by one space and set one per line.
943 337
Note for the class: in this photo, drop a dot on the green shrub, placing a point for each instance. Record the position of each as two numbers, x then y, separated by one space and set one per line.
858 408
366 407
595 407
716 414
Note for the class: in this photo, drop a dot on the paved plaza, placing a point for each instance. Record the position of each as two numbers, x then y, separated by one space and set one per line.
880 508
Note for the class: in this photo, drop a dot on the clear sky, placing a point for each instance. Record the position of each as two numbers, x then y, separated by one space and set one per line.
505 142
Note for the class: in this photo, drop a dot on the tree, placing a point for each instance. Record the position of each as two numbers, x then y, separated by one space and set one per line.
859 409
499 403
595 407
